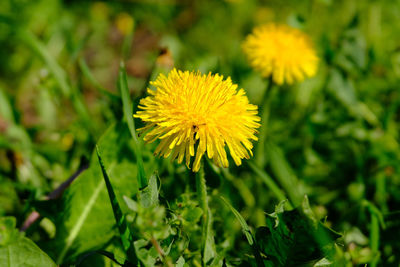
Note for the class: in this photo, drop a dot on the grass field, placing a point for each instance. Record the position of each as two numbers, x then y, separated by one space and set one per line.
81 186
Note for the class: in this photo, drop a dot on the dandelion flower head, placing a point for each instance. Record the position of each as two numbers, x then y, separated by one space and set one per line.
282 52
193 114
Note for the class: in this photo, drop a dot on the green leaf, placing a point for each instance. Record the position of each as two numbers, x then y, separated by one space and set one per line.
180 262
246 230
147 256
149 195
17 250
192 215
295 238
344 90
125 234
84 209
284 173
128 110
40 49
269 182
210 251
6 111
8 197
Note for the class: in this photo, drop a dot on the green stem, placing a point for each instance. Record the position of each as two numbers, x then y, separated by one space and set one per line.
265 112
127 45
380 194
374 236
201 189
376 221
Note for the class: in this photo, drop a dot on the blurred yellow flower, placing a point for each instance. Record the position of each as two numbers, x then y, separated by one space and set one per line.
124 23
282 52
193 114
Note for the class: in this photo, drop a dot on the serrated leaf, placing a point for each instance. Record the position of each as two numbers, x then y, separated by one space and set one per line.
84 210
293 238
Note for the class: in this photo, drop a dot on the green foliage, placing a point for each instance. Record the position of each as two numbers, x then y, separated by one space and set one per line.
85 204
17 250
127 108
246 230
295 238
125 234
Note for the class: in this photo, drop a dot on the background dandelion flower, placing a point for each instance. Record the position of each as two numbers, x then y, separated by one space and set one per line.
193 114
282 52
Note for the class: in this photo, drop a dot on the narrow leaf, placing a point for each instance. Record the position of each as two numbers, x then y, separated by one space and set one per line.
88 74
58 73
128 114
269 182
125 234
40 49
246 230
284 173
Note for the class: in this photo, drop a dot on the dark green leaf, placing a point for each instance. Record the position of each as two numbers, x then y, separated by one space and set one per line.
294 238
125 234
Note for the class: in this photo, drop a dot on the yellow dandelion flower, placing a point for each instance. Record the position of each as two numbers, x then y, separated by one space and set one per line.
282 52
193 114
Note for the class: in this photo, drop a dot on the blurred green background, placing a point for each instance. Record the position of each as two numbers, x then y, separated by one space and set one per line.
336 134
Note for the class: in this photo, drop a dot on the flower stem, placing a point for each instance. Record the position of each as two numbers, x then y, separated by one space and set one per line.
202 198
265 112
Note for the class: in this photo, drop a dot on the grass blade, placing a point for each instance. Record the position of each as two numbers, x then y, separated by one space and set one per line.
125 234
58 73
284 173
40 49
128 114
246 230
88 74
269 182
